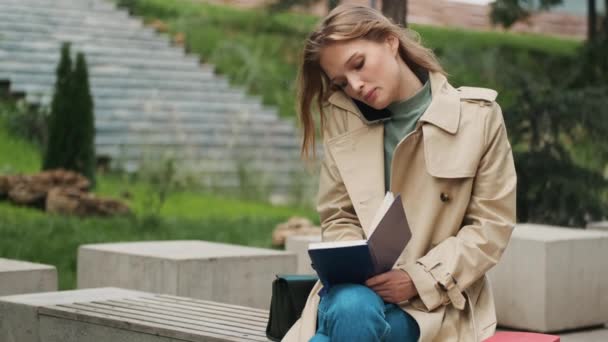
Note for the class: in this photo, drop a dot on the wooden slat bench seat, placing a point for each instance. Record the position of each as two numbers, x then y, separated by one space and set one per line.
132 316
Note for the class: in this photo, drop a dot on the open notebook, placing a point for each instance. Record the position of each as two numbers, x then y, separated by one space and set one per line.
356 261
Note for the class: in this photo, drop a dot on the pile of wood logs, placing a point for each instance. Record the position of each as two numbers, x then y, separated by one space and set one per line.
58 191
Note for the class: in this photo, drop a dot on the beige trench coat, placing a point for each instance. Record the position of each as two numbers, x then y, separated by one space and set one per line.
457 179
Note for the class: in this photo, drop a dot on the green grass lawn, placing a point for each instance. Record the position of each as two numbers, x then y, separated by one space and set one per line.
17 155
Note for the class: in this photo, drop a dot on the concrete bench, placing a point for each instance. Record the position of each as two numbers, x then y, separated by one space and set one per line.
552 279
599 225
198 269
118 315
18 277
299 244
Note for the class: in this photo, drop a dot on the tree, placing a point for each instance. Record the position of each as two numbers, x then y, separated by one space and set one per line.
284 5
72 124
84 158
58 143
507 12
559 116
396 10
549 126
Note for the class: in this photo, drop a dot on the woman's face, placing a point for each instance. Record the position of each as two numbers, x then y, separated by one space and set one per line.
365 70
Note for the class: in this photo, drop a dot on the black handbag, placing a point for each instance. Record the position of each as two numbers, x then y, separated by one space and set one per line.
289 294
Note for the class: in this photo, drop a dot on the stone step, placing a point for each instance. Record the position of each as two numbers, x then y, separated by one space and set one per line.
144 34
89 48
201 73
186 109
279 170
221 133
244 106
101 93
130 152
102 40
224 167
186 63
204 126
62 16
213 112
103 81
74 5
205 74
139 139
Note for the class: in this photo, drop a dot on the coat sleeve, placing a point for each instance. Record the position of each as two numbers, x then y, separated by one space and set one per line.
457 262
336 212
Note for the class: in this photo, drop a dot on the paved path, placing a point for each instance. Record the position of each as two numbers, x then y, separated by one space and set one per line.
593 335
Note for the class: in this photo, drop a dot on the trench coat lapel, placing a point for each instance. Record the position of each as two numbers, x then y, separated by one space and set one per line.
359 155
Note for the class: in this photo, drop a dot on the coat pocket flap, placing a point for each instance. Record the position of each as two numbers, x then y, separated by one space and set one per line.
451 155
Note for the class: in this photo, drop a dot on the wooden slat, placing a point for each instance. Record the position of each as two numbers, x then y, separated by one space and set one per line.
183 312
193 300
168 322
200 307
250 312
179 319
142 327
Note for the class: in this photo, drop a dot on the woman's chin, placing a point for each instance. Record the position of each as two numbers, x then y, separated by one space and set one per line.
378 105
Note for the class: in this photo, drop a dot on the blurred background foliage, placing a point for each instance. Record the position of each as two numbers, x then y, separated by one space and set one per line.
553 91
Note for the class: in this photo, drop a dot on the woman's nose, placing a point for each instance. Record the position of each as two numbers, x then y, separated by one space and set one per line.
357 85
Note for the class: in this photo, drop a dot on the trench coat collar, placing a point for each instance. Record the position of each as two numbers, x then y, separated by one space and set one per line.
443 112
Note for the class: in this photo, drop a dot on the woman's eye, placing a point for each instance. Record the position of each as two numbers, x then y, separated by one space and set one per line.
360 65
343 85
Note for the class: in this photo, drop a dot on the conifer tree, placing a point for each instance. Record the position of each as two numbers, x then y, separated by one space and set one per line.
71 123
84 119
57 144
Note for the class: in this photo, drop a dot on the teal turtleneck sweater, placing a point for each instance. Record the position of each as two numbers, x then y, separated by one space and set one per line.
404 115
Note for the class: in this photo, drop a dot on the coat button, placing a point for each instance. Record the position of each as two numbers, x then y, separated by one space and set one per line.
444 197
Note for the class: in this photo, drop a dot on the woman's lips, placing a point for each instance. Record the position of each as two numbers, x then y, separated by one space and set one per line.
370 96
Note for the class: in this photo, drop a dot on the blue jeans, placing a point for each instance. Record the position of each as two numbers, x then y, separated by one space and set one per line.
352 312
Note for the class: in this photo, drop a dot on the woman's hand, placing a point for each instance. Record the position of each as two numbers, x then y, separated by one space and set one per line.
394 286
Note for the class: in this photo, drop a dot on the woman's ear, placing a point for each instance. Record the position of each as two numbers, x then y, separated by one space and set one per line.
393 44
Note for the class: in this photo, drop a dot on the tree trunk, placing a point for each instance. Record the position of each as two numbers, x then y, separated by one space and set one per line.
331 4
591 20
396 10
605 24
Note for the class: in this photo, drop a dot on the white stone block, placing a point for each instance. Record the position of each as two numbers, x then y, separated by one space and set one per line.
198 269
552 279
19 319
17 277
299 245
599 225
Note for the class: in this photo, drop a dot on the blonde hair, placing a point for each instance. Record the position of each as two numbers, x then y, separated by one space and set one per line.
344 23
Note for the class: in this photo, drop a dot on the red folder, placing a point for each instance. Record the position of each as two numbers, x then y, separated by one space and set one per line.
514 336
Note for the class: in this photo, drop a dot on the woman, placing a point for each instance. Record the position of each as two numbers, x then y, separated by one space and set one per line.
391 121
